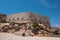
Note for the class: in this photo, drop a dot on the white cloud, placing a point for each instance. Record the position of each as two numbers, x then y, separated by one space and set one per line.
57 25
48 4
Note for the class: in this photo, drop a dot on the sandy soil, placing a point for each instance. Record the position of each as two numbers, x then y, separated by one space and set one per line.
9 36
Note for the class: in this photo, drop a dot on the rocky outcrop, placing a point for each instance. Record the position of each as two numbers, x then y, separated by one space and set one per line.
27 29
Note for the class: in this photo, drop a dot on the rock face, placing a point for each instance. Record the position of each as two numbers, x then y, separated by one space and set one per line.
27 29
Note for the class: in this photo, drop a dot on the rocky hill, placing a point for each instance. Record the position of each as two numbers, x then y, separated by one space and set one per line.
30 30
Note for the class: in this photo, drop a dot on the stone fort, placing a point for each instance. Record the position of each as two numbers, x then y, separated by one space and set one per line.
28 17
27 24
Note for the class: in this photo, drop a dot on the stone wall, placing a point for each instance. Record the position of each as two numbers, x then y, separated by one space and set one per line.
28 17
24 18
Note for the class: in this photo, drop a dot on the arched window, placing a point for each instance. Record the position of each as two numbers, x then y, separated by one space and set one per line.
9 19
23 34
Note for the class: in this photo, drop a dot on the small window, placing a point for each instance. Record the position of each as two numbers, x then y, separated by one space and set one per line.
22 18
9 19
17 18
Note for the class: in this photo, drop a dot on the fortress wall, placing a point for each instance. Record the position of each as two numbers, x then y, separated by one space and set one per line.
28 17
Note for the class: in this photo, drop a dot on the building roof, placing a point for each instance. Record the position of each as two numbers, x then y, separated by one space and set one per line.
29 14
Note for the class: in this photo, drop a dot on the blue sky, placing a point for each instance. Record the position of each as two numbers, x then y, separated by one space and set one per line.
50 8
